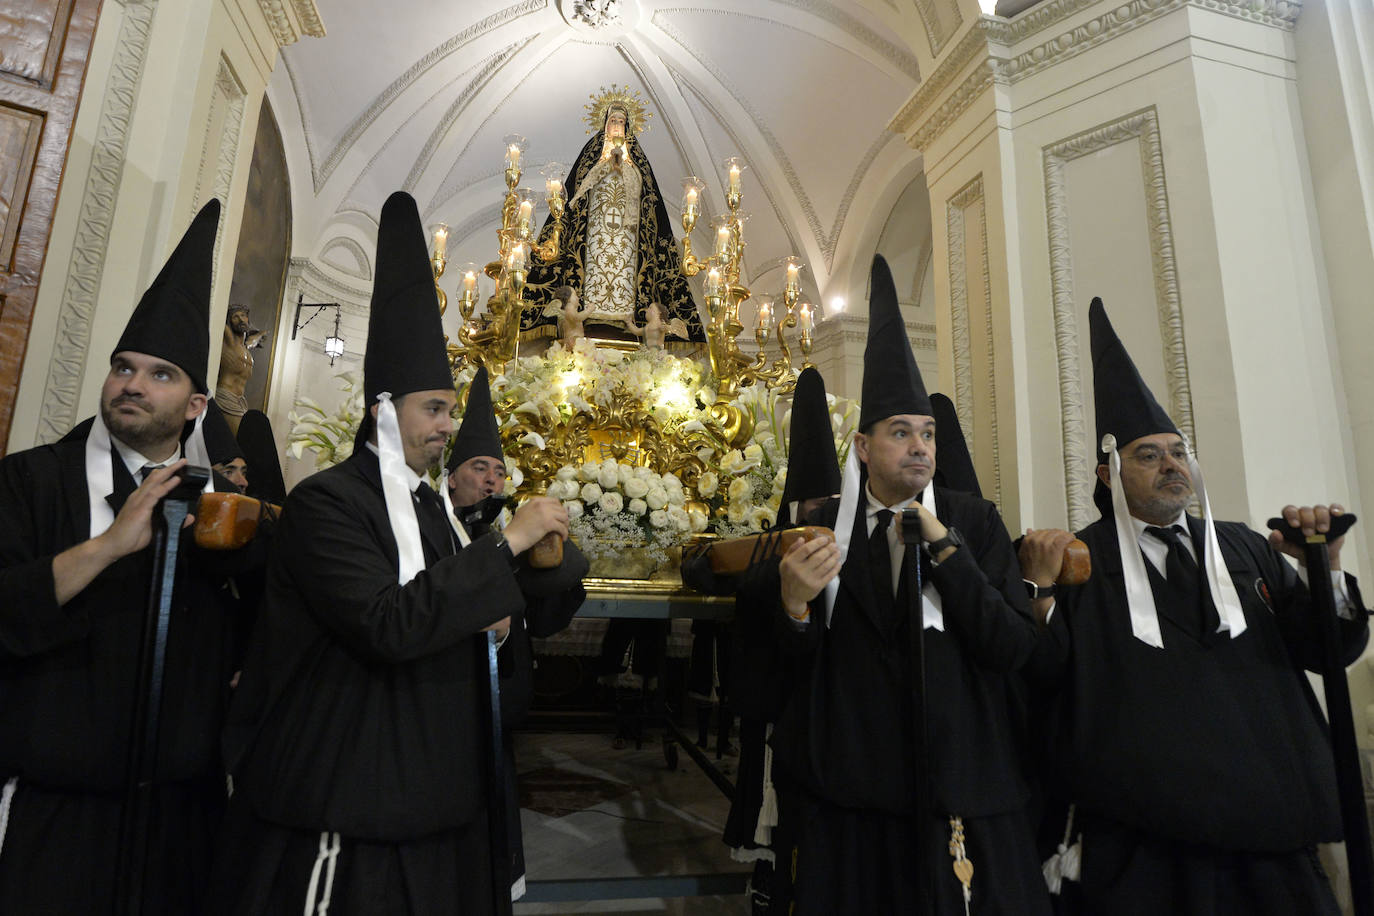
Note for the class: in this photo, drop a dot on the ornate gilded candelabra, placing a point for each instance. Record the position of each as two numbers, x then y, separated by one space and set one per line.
724 294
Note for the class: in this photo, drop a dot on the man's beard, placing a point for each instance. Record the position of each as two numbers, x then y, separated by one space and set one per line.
142 432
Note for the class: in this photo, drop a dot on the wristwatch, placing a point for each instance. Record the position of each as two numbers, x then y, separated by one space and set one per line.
503 547
952 538
1038 591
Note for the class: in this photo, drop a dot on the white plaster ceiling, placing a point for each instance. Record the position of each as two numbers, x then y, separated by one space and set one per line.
418 95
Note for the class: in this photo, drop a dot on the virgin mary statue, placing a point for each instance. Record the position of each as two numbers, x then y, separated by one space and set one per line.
618 249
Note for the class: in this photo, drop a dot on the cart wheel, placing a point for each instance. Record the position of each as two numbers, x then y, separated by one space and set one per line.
670 754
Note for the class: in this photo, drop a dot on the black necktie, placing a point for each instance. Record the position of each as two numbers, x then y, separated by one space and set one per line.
433 518
880 564
147 469
1181 571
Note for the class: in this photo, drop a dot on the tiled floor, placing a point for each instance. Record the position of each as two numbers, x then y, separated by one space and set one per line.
589 810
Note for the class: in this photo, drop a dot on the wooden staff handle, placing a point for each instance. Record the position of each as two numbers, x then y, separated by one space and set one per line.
228 521
734 556
1077 566
547 553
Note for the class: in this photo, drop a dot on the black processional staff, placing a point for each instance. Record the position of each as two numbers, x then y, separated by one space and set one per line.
143 746
1349 783
910 532
498 829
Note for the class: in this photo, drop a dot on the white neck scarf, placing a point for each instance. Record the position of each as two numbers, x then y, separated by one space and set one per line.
1140 598
100 470
400 508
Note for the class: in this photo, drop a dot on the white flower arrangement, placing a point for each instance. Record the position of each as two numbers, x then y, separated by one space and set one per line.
328 434
623 505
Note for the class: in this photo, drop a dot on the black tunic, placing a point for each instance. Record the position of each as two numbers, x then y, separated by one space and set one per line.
1207 746
67 682
846 734
360 710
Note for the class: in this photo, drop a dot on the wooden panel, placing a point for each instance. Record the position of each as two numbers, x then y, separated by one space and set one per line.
31 34
19 134
44 45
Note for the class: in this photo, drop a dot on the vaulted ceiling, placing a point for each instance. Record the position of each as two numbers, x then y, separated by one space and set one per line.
419 95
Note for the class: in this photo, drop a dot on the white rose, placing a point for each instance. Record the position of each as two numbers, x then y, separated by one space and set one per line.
567 472
679 519
698 519
657 498
609 478
671 480
589 471
780 480
762 517
643 471
626 473
611 503
732 462
707 483
739 490
738 513
676 497
590 492
658 518
636 487
638 506
753 452
575 508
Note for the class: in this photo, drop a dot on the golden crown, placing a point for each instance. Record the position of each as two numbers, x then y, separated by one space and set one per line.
637 116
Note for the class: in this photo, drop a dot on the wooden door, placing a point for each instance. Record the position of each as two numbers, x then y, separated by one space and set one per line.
44 45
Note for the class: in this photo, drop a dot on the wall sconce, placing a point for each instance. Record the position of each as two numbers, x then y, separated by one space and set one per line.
333 344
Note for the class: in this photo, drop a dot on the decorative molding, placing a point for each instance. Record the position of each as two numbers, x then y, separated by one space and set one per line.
352 247
66 366
485 72
990 38
311 280
1079 449
956 222
285 27
936 31
228 98
388 95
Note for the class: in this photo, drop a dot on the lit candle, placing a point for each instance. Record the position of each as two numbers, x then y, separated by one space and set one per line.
554 186
470 281
691 197
793 268
516 259
734 178
513 156
441 241
523 220
713 284
722 241
765 315
806 319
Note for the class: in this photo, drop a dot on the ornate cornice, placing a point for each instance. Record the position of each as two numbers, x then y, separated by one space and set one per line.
62 387
292 20
936 30
1079 449
989 40
353 248
313 281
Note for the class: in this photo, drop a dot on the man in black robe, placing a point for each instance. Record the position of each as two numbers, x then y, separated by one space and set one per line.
892 816
358 738
475 497
1182 728
758 828
75 568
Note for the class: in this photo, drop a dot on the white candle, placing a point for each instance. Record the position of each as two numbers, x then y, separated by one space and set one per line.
512 157
554 187
526 209
734 179
441 241
470 281
722 241
806 319
765 315
713 283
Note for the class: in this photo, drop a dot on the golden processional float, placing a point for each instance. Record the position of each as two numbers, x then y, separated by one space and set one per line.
646 448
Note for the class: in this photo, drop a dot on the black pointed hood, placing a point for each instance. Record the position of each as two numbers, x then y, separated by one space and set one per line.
219 440
259 446
953 463
405 337
813 468
1125 406
172 320
478 435
892 382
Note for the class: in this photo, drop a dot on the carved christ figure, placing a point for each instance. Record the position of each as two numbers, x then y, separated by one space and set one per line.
236 364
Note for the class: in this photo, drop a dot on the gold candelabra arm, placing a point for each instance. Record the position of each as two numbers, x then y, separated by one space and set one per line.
691 264
437 264
551 247
784 362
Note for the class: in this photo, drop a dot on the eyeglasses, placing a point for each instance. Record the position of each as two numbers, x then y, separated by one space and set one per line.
1151 457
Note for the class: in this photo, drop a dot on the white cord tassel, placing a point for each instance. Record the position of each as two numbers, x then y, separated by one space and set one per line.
768 809
325 860
1067 863
6 800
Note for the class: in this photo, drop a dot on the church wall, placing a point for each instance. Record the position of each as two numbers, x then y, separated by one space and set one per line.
166 122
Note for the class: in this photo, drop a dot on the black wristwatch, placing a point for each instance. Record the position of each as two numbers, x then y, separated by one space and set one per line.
952 538
503 547
1038 591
